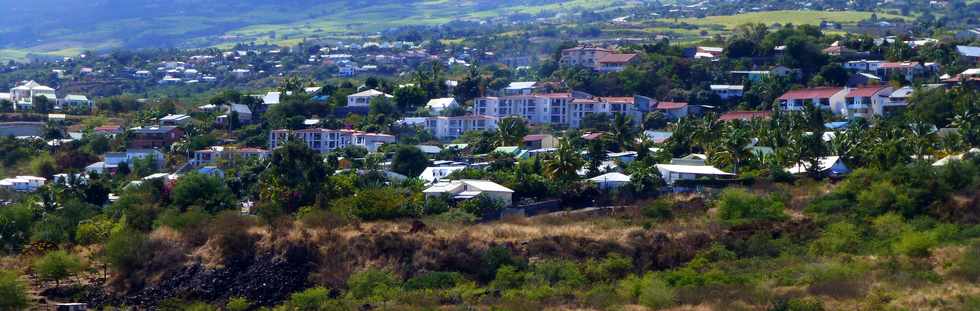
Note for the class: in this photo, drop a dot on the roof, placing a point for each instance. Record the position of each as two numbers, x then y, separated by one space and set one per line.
971 51
71 97
693 169
480 185
616 58
521 85
536 137
440 102
429 174
591 136
670 105
904 92
898 65
614 177
744 115
429 149
826 163
717 87
820 92
153 129
509 150
619 100
371 93
865 91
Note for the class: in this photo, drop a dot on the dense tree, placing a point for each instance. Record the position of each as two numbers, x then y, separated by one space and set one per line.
511 131
13 292
409 161
202 191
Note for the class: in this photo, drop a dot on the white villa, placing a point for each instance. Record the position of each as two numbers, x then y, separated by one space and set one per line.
23 95
468 189
363 99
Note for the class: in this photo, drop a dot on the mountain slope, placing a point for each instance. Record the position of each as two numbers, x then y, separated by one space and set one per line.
53 25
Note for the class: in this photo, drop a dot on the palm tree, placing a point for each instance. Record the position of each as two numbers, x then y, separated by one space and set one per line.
563 165
622 132
733 145
510 131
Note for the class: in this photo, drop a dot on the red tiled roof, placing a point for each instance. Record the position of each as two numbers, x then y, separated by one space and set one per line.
535 137
821 92
616 58
897 65
866 91
619 100
670 105
744 115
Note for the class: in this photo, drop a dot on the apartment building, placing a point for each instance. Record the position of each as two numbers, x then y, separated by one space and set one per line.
864 102
830 98
326 140
210 156
564 109
448 128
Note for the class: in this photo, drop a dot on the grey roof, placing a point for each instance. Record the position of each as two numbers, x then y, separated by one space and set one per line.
971 51
241 109
903 92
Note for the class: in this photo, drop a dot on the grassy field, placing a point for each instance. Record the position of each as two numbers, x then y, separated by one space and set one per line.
782 17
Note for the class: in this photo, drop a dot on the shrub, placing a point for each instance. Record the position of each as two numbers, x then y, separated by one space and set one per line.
373 284
915 244
601 296
237 304
838 237
968 266
231 236
13 292
493 259
613 267
92 231
798 304
434 280
508 277
457 215
312 299
57 266
481 205
738 206
126 251
882 197
372 204
557 273
648 291
660 209
15 226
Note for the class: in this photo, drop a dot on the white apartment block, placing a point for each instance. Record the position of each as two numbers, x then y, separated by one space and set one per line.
566 109
448 128
211 155
326 140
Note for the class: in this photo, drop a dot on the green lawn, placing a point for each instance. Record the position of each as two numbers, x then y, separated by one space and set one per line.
782 17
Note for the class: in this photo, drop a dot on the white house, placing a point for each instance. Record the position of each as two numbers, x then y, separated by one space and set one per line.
22 183
829 98
468 189
111 160
831 166
865 101
674 172
75 101
363 99
435 173
438 105
611 180
23 95
213 154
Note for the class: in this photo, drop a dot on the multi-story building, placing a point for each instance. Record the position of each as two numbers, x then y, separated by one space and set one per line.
830 98
897 102
864 102
448 128
564 109
149 137
599 59
23 95
213 154
325 140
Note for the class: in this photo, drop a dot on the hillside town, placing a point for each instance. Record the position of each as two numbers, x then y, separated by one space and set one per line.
817 166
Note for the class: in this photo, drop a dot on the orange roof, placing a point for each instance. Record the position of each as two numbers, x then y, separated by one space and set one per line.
865 91
744 115
670 105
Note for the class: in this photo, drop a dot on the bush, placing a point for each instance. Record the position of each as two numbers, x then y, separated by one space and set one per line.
968 266
93 231
660 209
237 304
915 244
57 266
373 204
373 284
495 258
126 251
838 237
648 291
613 267
882 197
508 277
557 273
313 299
13 292
481 205
738 206
798 304
434 280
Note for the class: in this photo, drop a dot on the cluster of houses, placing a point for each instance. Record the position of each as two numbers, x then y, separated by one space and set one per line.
23 96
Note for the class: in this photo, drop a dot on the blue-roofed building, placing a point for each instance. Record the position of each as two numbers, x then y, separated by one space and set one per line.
971 52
